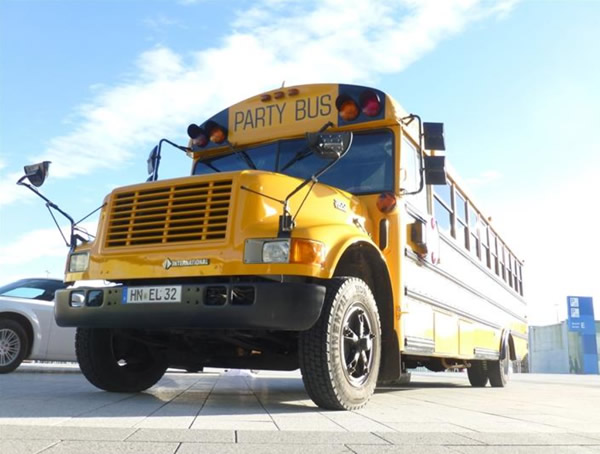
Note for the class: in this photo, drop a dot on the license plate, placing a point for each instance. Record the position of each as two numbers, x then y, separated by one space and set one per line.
158 294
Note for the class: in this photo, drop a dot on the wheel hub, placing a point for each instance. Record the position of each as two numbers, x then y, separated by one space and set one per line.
357 346
10 344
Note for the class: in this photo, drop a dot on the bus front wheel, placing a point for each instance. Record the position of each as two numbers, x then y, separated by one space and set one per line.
340 355
116 363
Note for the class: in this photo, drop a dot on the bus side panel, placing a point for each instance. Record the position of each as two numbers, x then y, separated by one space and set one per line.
466 337
446 333
458 285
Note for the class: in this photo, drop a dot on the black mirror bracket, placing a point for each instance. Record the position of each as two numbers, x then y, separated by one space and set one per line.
154 158
432 168
37 174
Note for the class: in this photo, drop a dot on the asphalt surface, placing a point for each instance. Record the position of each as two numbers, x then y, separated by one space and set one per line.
53 409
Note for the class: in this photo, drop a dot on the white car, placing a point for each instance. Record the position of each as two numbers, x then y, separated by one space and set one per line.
27 326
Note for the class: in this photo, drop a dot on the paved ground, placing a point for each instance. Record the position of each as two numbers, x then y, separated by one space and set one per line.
55 410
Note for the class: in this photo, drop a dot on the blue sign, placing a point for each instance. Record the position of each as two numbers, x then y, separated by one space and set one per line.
580 311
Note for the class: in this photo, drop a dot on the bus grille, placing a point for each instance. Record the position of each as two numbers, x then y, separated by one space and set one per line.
170 214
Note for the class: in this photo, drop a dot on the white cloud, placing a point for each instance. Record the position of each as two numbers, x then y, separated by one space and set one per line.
483 179
161 23
9 191
298 42
27 247
36 245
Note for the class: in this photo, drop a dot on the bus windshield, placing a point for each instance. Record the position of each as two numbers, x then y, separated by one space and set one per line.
368 167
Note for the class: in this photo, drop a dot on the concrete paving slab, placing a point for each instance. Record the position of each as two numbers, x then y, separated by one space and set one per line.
226 424
427 427
546 439
63 433
309 438
523 450
112 447
176 435
428 438
194 448
406 449
25 446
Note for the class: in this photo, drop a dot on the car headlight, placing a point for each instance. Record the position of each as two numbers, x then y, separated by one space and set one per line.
79 262
276 251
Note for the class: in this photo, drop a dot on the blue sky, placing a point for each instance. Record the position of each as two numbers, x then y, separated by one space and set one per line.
93 85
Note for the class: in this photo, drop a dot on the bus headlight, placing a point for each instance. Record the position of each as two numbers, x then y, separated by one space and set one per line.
79 262
276 251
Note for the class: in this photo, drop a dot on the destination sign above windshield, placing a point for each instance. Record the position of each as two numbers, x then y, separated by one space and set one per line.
303 112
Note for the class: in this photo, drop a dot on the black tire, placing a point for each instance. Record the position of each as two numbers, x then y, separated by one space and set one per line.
498 372
117 364
340 371
14 345
478 374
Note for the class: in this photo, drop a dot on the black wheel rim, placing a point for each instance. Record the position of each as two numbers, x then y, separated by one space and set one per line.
10 345
357 345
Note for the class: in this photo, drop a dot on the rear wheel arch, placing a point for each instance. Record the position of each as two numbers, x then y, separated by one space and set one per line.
507 346
511 348
25 323
363 260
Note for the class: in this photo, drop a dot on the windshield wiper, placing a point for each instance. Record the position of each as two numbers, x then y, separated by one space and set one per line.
300 155
210 166
242 153
247 159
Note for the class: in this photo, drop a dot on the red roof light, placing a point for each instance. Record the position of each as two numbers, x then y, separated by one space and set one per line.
370 103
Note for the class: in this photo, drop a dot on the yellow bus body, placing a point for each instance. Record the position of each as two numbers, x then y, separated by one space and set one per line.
456 309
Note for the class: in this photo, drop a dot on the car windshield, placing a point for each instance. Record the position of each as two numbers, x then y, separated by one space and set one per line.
39 289
366 168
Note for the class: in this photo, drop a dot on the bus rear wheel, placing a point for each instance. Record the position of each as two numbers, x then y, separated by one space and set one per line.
498 372
117 363
478 374
340 355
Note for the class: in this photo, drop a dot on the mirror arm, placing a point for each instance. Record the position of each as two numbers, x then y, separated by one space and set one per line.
154 175
50 205
410 118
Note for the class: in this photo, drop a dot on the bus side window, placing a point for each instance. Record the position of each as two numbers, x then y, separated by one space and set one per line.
462 234
473 232
442 207
485 245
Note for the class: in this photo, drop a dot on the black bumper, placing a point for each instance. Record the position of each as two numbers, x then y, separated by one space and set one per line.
264 305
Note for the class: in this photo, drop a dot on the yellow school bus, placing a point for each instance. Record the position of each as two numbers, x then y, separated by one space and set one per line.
318 230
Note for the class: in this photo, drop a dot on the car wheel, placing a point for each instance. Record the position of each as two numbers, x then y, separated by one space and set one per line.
14 345
478 374
340 355
117 363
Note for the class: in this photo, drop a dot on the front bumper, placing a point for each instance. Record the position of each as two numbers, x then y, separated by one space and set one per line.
272 305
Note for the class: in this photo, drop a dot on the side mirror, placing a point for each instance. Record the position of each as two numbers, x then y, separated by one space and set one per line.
152 160
433 135
329 146
36 173
435 169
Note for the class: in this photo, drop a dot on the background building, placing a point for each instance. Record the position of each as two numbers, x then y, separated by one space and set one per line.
553 349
